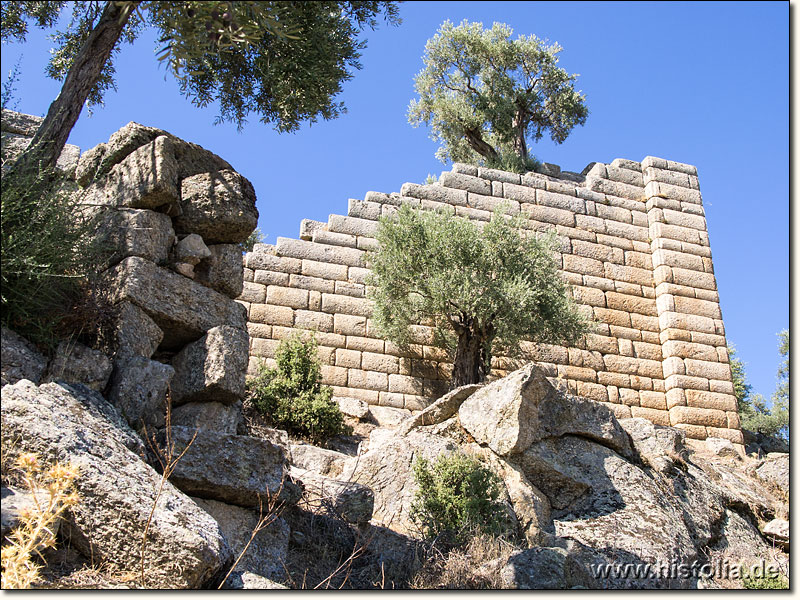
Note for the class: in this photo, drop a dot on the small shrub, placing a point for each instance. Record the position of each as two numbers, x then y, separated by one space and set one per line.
291 397
53 490
457 498
765 582
49 250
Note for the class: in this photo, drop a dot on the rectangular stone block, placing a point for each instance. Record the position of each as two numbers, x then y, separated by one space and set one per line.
702 399
520 193
593 391
348 358
654 400
352 226
436 193
335 303
371 361
473 213
628 274
674 320
631 304
404 384
322 236
368 396
633 366
286 296
345 288
320 252
565 201
271 278
259 330
590 296
316 321
685 382
612 317
333 376
682 219
706 417
626 231
707 369
577 373
333 272
546 214
597 252
656 416
391 399
613 213
270 262
460 181
367 380
350 325
689 350
263 348
357 274
253 292
363 209
583 265
615 188
698 307
694 279
364 344
490 203
647 350
304 282
272 315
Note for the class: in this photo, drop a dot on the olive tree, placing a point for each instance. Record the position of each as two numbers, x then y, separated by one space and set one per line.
487 96
484 287
283 61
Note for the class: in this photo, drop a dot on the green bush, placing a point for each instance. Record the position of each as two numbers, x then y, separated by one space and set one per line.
291 396
49 251
765 582
457 498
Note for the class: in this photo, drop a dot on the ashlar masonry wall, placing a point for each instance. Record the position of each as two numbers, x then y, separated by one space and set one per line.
634 247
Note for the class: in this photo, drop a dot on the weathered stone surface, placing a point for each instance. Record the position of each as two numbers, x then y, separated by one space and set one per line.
19 123
244 580
353 407
721 447
124 141
387 471
139 391
212 416
386 416
236 469
133 333
319 460
547 568
75 363
135 232
146 178
777 530
658 447
191 250
213 368
88 164
219 206
266 553
761 444
775 470
19 358
512 413
352 501
13 145
441 410
117 489
183 309
222 270
15 503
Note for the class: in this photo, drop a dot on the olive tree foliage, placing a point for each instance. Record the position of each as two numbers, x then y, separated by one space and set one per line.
487 96
754 412
283 61
483 287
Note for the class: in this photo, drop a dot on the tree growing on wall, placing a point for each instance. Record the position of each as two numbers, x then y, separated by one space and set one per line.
484 289
486 96
284 61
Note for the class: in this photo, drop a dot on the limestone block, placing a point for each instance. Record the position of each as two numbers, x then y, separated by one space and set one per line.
490 203
675 178
583 265
436 193
689 350
368 380
658 417
358 275
266 278
699 323
597 252
255 293
221 207
682 219
211 416
139 390
703 399
371 361
631 304
613 213
19 123
590 296
634 275
323 236
654 400
697 416
519 193
647 350
633 366
271 262
306 319
698 307
352 407
222 270
593 391
685 382
75 363
732 435
391 399
335 303
213 368
352 226
348 358
612 316
334 376
19 359
236 469
624 174
577 373
350 325
547 214
694 279
565 201
707 369
262 555
460 181
272 315
722 387
345 288
404 384
320 252
182 308
309 227
88 163
614 188
286 296
629 397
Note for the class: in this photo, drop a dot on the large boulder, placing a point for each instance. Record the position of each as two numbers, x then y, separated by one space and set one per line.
213 368
441 410
236 469
350 500
222 270
139 389
658 447
219 206
212 416
182 309
775 471
265 554
135 232
319 460
132 333
75 363
512 413
73 424
19 359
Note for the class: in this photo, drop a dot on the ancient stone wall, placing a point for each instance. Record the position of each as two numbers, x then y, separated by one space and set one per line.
634 247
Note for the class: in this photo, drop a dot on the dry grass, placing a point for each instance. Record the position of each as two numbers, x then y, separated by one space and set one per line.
52 490
466 568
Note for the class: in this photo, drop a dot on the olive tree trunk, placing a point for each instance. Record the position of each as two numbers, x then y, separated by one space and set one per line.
50 138
470 362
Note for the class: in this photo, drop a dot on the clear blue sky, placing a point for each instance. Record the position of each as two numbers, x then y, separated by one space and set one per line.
701 83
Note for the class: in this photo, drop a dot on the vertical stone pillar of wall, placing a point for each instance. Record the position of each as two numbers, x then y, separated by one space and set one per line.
697 374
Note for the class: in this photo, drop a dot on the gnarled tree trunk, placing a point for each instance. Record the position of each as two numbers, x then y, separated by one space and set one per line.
470 362
49 140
